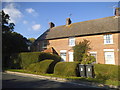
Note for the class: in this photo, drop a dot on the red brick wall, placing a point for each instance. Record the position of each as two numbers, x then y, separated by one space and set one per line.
97 45
119 49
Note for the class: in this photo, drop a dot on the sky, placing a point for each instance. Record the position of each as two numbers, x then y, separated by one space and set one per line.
31 18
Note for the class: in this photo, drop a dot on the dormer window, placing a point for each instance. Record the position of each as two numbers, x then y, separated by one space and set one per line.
71 41
108 39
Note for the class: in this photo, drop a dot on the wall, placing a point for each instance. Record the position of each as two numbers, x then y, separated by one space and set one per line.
119 48
97 45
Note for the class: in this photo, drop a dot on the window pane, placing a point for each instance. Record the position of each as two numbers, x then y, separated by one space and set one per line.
108 39
71 41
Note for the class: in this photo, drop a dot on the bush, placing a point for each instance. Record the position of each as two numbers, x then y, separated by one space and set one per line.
106 72
56 58
66 69
32 67
29 58
44 56
80 49
15 61
40 67
88 59
25 59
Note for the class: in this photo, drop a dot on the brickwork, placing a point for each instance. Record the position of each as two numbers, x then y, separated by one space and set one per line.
97 45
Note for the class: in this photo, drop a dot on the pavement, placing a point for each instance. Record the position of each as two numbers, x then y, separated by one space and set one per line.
63 80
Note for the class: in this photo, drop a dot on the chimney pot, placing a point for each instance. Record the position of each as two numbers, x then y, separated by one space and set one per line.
117 11
51 24
68 21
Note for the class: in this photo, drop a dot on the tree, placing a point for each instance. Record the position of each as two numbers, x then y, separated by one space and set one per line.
12 42
31 39
80 49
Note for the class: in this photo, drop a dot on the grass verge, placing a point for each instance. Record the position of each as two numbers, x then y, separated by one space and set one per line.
107 82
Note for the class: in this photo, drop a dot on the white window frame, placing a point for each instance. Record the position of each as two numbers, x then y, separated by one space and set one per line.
70 40
108 50
63 51
108 39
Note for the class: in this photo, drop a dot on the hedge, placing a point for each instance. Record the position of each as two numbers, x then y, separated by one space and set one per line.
44 56
15 61
40 67
106 71
66 69
32 67
29 58
25 59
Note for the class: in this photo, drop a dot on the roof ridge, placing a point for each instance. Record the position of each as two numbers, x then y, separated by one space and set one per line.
94 19
85 21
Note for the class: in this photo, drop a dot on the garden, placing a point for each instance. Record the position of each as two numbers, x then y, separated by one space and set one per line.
51 65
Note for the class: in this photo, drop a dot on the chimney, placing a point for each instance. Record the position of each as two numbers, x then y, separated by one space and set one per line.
68 21
51 24
117 11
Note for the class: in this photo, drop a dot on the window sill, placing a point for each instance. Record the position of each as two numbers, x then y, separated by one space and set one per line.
71 45
108 43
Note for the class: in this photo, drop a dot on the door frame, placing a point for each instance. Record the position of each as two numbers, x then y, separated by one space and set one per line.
109 50
69 56
63 51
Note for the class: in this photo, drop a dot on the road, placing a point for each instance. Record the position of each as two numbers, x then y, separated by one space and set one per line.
16 81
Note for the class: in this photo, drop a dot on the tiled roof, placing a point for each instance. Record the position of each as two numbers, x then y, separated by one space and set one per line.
96 26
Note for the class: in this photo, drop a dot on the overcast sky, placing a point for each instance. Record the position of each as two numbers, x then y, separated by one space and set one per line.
32 18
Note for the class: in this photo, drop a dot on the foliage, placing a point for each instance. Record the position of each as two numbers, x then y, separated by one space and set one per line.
32 67
88 59
12 42
66 69
6 27
40 67
15 61
45 55
28 58
31 39
107 72
80 49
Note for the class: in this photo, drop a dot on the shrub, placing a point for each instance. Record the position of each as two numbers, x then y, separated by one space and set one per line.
15 61
32 67
23 60
29 58
44 56
66 69
106 72
80 49
40 67
87 59
56 58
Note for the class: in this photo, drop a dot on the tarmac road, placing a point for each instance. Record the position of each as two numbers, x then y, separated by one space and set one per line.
17 81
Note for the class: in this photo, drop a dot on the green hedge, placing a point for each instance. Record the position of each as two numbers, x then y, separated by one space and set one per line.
29 58
32 67
106 72
23 60
44 56
40 67
15 61
66 69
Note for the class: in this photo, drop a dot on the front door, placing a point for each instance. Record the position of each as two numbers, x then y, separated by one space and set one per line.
109 58
70 56
63 56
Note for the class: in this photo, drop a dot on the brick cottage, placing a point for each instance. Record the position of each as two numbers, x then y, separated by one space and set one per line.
102 33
